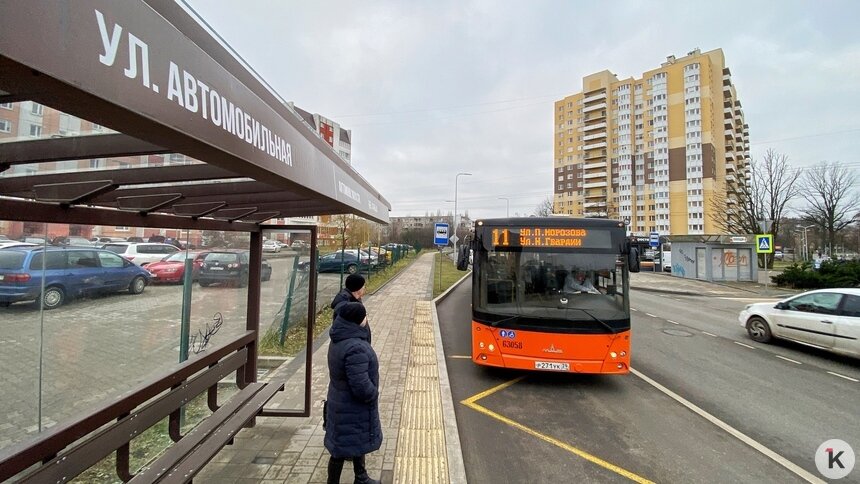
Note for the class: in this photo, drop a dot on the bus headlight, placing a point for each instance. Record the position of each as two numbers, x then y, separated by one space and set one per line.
491 348
613 354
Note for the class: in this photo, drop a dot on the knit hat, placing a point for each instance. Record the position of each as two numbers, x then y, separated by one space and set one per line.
354 282
353 312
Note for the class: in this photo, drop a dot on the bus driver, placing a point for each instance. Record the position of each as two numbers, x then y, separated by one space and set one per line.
579 283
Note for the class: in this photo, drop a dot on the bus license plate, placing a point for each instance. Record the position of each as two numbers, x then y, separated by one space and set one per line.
546 365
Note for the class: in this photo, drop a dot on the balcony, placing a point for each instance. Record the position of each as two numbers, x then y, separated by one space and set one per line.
594 146
730 155
595 97
729 134
595 214
595 154
594 108
592 127
730 167
601 184
599 135
591 166
594 204
588 176
731 178
727 77
595 194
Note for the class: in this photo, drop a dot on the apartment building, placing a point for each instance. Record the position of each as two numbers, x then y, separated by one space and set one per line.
667 152
331 132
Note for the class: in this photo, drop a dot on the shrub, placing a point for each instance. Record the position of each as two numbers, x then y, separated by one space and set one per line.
833 273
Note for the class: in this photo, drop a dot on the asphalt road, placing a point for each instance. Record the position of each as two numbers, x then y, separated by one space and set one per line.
58 363
549 427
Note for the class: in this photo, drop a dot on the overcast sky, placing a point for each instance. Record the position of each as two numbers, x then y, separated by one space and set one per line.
431 89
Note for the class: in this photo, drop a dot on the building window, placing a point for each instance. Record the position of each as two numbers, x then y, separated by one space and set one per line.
5 126
35 130
37 109
6 106
121 228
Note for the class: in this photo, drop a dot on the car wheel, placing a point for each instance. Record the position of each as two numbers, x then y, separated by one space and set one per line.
138 284
352 268
267 276
203 283
243 280
53 297
759 330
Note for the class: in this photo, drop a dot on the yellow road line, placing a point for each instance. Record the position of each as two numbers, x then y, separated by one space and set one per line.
471 403
491 391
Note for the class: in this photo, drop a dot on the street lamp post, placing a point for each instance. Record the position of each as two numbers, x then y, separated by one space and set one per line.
806 242
507 206
456 216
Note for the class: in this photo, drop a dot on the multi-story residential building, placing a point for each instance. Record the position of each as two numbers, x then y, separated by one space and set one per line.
667 153
338 138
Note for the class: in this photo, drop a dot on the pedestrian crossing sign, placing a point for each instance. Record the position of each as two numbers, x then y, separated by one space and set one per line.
764 244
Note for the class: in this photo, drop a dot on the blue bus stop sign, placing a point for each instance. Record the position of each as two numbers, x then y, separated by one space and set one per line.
654 240
440 234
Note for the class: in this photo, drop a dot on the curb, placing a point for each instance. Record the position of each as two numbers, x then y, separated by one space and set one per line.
665 291
456 465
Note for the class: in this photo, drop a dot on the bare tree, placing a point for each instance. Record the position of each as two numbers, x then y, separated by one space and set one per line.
828 188
544 208
771 185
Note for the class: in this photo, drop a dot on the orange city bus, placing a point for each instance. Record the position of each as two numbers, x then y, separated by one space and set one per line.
551 293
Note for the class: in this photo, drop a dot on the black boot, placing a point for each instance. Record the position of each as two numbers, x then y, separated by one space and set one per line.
335 466
361 476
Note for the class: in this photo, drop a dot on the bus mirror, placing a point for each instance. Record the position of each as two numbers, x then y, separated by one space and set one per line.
633 259
463 258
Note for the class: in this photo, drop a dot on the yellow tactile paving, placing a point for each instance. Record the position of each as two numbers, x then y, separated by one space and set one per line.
421 452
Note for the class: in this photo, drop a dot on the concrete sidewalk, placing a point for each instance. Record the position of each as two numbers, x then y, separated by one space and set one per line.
662 282
414 409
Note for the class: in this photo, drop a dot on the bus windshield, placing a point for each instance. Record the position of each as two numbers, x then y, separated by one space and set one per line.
552 290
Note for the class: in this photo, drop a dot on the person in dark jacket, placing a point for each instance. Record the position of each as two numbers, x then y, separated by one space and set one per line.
352 426
352 291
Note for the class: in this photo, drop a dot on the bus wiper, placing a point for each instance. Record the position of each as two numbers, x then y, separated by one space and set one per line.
610 328
497 323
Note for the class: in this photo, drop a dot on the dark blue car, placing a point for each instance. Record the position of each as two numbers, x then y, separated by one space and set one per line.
346 261
68 272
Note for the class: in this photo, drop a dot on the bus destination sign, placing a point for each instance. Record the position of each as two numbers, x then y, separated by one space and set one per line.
549 237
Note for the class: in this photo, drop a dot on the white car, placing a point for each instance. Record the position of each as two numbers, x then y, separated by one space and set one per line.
271 246
141 253
825 318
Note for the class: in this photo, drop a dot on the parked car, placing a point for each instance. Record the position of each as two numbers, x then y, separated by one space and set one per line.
135 239
778 255
824 318
14 243
68 272
141 253
333 262
4 238
72 240
229 267
172 267
34 239
271 246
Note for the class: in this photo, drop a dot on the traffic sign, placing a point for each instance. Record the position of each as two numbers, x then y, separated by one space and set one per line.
440 234
764 244
454 238
654 240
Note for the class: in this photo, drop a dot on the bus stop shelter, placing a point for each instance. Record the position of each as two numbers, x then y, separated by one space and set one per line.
150 78
714 257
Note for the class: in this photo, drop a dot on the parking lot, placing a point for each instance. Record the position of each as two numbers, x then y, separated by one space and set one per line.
94 349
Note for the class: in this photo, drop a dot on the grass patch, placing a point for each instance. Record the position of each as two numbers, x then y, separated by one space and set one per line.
449 274
294 342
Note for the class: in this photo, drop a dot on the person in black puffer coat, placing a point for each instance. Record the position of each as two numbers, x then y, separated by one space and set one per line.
352 426
352 291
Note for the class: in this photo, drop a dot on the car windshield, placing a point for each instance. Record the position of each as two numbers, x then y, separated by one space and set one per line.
177 257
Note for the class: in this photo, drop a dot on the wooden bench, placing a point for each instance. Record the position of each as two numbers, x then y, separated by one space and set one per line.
189 453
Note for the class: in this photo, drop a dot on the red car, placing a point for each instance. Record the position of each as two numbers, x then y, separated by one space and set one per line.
172 267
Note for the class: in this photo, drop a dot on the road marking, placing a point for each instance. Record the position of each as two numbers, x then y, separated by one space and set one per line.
788 359
634 309
709 334
471 402
461 357
843 376
731 430
745 346
670 321
649 314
